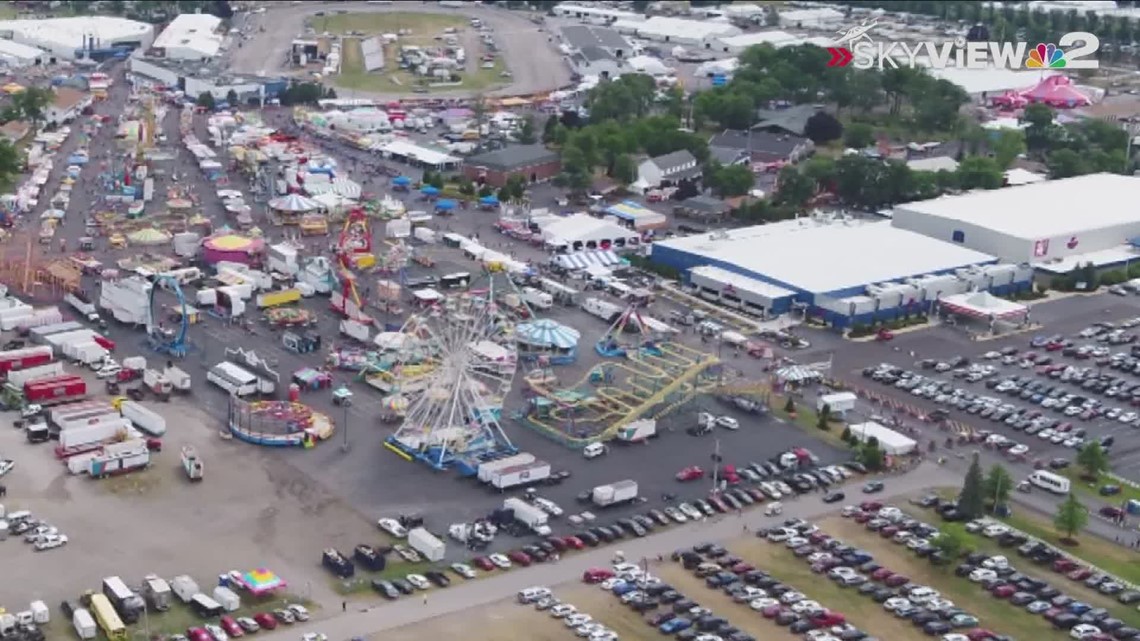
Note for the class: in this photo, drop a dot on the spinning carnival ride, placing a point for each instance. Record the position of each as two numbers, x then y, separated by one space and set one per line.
466 347
162 339
354 251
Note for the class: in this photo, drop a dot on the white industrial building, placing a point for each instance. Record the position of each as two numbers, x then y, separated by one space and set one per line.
822 18
66 38
703 33
892 443
737 44
192 78
592 14
873 271
1050 222
17 55
190 36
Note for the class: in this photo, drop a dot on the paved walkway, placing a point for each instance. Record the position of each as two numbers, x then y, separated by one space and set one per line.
413 609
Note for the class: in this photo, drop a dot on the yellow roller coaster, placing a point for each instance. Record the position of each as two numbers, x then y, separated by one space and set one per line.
649 383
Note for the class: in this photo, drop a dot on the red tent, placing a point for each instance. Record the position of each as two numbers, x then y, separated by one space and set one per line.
1057 91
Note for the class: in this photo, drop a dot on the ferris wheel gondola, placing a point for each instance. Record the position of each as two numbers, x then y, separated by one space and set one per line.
163 339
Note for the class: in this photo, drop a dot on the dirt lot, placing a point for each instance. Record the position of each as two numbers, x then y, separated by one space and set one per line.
250 511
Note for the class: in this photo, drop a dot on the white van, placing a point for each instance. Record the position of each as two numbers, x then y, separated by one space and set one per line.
530 595
594 450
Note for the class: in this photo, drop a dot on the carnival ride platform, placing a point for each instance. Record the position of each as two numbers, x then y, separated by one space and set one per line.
650 382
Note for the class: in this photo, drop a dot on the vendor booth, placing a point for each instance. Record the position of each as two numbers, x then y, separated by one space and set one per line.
547 340
582 231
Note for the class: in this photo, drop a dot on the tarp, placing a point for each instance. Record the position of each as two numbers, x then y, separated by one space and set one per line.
445 204
401 181
488 200
547 333
587 259
293 203
428 190
1057 91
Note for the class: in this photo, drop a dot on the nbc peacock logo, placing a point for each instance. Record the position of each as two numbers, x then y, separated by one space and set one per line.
1046 56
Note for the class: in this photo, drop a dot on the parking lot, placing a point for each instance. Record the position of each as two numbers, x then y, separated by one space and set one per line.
1040 396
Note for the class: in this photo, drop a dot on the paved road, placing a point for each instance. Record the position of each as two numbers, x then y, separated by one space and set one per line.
534 63
462 597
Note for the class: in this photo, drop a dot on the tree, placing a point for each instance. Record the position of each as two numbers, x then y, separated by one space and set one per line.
549 129
630 96
979 172
205 100
789 406
859 136
846 435
971 500
232 98
824 418
1093 460
871 455
32 102
997 485
1065 163
733 180
526 131
793 188
1071 517
951 540
1038 119
1008 145
624 170
822 128
11 164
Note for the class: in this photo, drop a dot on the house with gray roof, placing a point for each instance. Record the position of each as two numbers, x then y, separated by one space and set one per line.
668 170
534 163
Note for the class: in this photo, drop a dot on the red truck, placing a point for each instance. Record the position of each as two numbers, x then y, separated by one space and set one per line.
25 358
103 342
58 389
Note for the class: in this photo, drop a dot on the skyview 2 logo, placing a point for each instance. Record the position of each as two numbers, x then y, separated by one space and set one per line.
855 47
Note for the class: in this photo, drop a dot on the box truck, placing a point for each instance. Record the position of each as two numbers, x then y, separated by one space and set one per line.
227 598
129 605
604 310
529 515
520 475
94 434
156 591
25 357
278 298
178 378
488 469
40 318
60 389
123 458
615 493
83 623
537 299
426 544
38 334
184 587
144 418
85 307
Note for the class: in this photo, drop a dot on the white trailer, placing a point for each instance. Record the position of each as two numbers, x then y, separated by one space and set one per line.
604 310
64 412
282 258
144 418
537 299
184 587
529 515
20 376
86 419
520 475
156 591
87 353
487 470
92 434
120 458
615 493
85 307
81 463
9 322
426 544
127 299
637 431
38 334
42 318
57 341
178 378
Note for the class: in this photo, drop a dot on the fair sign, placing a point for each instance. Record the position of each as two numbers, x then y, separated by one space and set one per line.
856 47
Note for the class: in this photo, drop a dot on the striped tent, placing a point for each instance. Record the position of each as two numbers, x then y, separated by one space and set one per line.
585 259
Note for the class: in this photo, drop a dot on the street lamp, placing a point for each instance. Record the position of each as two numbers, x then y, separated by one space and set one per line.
344 445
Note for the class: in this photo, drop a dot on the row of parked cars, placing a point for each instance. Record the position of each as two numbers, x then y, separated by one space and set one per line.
767 595
850 567
580 623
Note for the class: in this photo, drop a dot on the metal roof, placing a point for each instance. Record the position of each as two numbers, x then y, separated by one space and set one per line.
582 36
514 157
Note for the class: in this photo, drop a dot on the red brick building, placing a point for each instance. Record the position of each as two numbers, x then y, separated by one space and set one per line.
535 163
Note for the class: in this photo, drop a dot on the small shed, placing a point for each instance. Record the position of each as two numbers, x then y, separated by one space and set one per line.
838 403
703 207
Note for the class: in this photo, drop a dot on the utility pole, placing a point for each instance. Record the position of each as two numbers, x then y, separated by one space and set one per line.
716 464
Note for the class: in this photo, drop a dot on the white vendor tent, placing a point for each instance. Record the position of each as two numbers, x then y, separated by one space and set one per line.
982 305
582 231
890 442
587 259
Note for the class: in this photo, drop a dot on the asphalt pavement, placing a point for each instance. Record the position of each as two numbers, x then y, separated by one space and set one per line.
534 63
488 590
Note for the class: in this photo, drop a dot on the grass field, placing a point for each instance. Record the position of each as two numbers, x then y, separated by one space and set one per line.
1093 489
179 617
353 76
361 582
996 615
420 24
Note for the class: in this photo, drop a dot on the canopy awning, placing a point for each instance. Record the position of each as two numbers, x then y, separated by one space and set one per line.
587 259
293 203
982 305
547 333
797 374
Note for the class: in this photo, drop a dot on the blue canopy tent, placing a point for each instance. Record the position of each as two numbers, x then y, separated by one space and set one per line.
428 190
401 183
445 205
545 338
488 202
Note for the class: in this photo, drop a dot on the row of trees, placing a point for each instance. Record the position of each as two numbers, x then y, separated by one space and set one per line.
28 105
908 98
1077 148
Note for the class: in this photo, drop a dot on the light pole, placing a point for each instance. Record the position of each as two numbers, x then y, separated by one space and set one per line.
344 445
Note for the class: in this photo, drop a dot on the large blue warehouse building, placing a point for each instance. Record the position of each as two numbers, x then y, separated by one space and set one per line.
845 271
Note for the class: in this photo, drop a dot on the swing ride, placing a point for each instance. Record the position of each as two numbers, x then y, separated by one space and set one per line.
163 340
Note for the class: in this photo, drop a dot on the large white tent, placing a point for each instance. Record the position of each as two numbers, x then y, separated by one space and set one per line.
890 441
582 231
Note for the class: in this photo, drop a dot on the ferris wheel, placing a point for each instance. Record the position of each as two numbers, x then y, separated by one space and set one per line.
456 387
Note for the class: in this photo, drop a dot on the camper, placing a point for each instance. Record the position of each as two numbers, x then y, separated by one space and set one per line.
184 588
157 592
604 310
205 607
227 598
